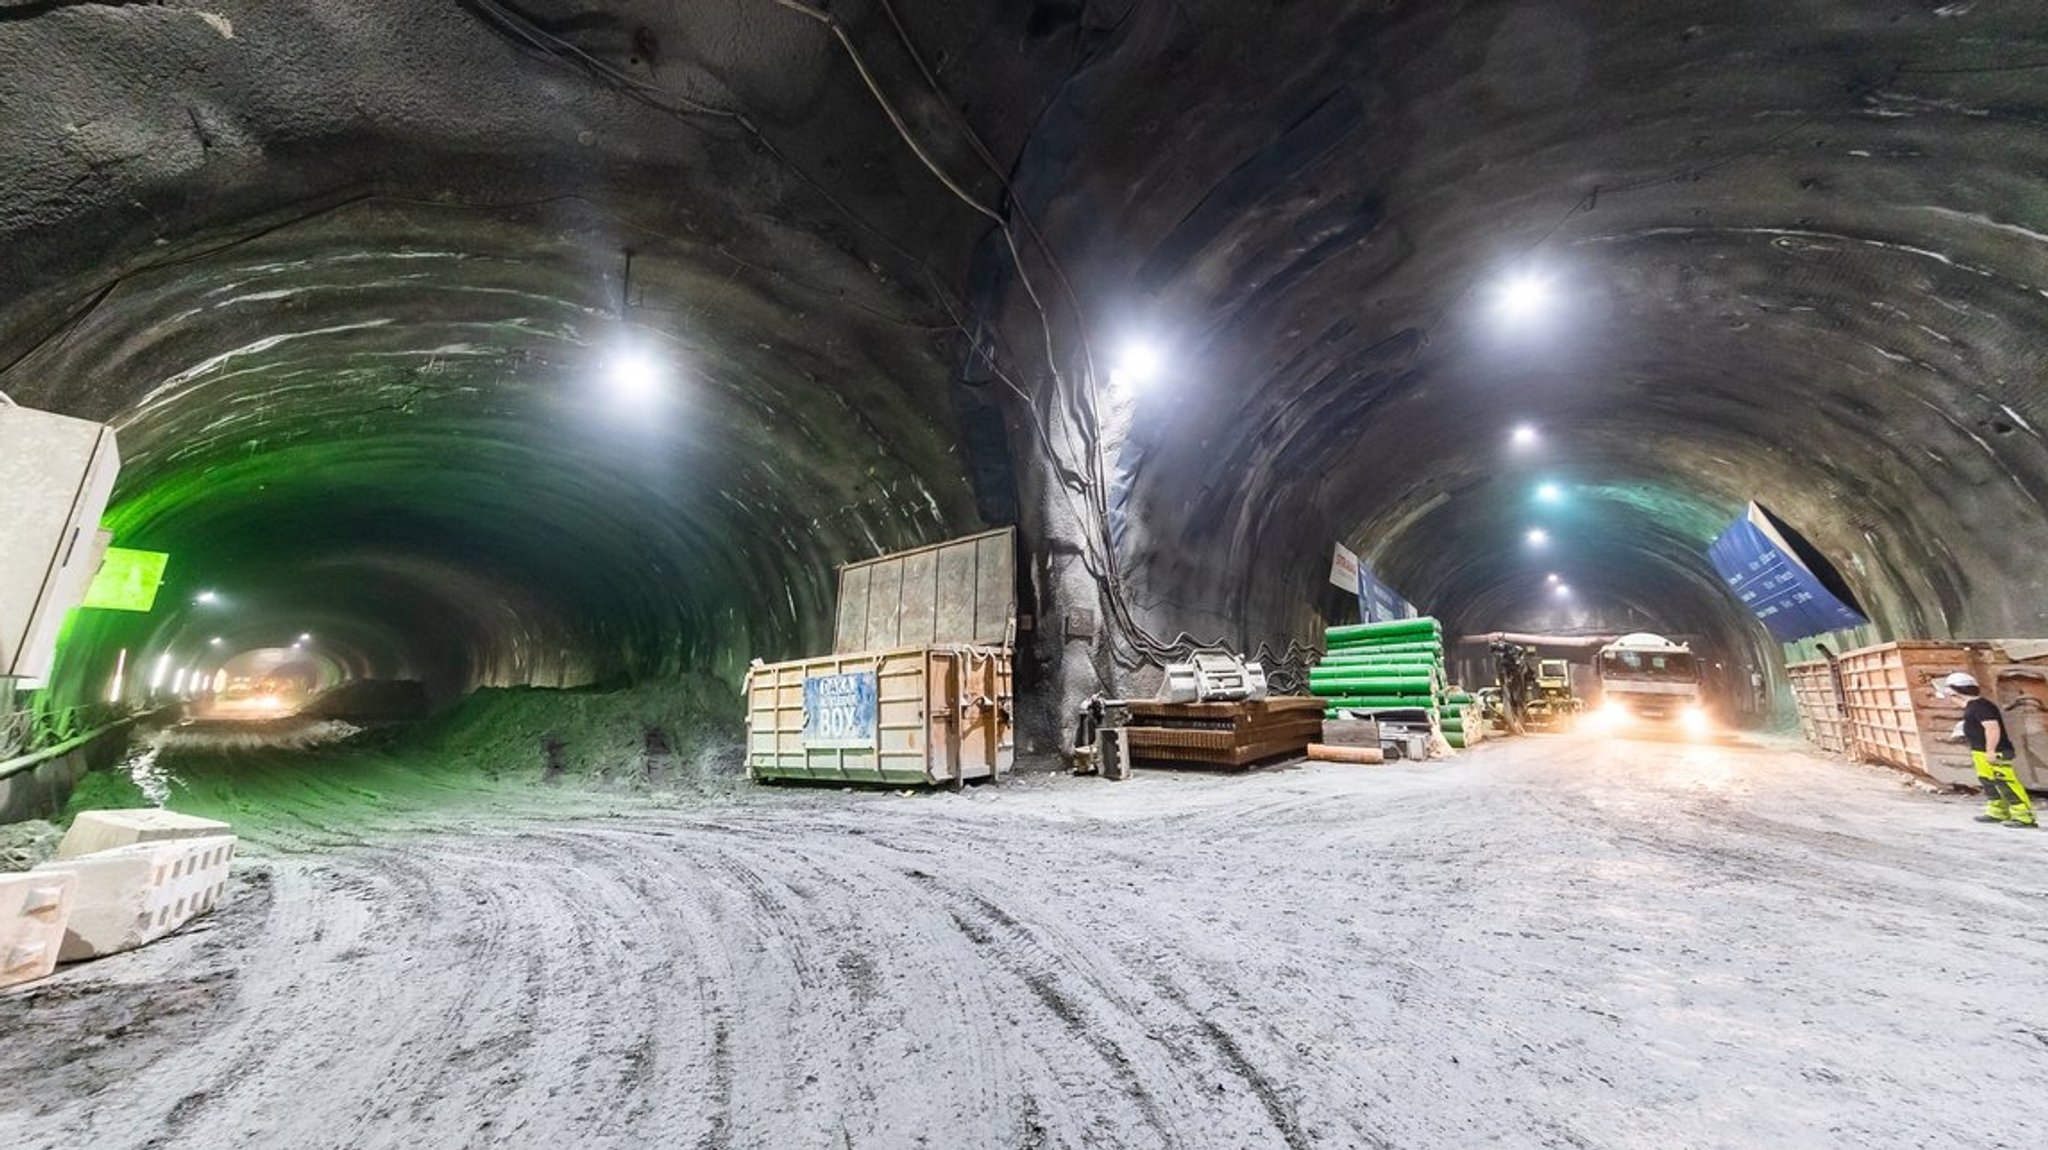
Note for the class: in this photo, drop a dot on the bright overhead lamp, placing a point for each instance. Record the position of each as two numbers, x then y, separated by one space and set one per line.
1537 536
1524 436
1549 492
214 642
1138 365
1552 577
1563 590
635 374
206 598
1523 296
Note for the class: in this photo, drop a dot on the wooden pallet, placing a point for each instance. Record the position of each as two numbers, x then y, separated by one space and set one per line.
1232 735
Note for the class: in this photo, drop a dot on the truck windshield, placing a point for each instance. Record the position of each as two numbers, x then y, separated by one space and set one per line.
1665 666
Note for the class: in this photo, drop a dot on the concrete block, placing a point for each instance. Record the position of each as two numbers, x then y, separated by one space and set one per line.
137 894
34 911
96 831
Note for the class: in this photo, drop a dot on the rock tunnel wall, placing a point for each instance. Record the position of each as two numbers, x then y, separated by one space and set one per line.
352 280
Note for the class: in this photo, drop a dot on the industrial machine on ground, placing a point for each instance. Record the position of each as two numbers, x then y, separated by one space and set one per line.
1649 681
1529 693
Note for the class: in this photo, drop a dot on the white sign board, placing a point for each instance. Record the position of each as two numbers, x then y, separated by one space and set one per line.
1344 569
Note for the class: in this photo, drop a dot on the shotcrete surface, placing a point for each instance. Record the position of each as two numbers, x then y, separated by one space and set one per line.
1553 942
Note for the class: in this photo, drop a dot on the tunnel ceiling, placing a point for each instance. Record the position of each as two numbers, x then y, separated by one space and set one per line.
353 279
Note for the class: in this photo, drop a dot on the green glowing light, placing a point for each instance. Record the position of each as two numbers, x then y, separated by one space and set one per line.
127 580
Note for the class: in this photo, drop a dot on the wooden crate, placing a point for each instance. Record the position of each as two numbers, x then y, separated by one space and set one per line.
1815 692
1223 734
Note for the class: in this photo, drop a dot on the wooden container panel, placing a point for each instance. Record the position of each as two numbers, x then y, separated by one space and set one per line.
1813 695
1893 716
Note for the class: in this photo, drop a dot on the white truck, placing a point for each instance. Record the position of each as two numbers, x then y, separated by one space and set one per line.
1649 681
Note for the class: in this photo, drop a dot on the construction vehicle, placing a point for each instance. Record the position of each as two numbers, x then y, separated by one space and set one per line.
1650 682
1529 693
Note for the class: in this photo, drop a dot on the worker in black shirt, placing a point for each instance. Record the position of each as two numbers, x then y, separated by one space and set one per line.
1991 750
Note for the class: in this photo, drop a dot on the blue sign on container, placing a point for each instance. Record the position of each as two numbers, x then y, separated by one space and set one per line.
1779 588
839 711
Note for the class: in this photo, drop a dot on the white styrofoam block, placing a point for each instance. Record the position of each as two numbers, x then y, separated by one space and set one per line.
137 894
34 911
107 830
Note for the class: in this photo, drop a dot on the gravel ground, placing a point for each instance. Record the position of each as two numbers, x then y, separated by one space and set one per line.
1552 942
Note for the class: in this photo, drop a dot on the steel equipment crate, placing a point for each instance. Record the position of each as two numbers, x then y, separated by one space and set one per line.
919 690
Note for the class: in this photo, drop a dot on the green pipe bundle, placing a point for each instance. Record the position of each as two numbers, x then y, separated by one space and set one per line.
1411 669
1422 628
1404 685
1400 651
1380 703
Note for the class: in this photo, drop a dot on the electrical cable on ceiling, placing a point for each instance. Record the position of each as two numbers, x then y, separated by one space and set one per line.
1082 404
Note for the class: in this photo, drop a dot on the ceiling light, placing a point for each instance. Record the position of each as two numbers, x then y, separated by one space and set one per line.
635 374
1524 436
1549 492
1563 590
306 637
1553 578
1523 296
1137 366
214 642
1537 537
206 598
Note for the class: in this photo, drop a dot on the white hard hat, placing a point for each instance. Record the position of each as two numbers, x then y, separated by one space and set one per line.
1959 681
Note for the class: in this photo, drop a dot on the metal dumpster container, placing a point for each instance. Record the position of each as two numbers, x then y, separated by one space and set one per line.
915 716
919 688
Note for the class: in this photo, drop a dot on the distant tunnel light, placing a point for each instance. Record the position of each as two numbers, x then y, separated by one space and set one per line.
214 642
206 598
1549 492
305 637
163 670
1563 590
1524 436
178 683
120 673
1552 578
1537 537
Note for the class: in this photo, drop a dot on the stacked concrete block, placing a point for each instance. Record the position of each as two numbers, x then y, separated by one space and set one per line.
95 831
136 894
34 911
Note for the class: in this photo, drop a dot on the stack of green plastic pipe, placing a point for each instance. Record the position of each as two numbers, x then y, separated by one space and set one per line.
1382 666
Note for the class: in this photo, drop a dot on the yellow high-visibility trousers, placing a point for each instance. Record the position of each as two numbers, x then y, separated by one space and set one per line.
2005 798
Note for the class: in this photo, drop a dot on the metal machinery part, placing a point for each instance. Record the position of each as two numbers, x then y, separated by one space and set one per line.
1529 693
1101 743
1213 677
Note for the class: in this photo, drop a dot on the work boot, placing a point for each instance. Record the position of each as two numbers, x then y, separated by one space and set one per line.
2025 825
1995 812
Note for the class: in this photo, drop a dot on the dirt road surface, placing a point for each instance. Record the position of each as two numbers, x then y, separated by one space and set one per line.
1553 942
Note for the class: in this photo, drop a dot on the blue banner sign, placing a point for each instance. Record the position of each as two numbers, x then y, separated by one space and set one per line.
1377 602
1779 588
839 711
